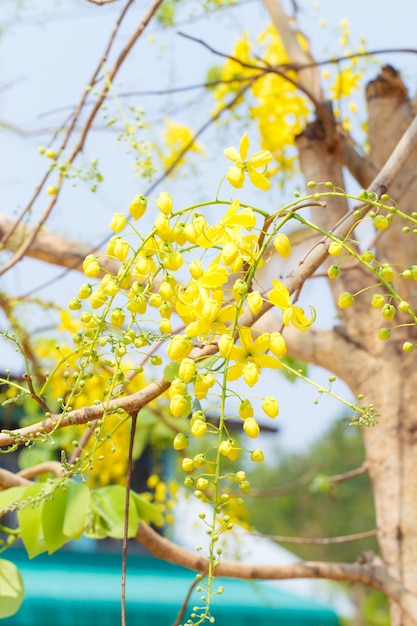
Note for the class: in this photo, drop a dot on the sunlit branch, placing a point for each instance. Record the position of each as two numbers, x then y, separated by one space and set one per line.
369 574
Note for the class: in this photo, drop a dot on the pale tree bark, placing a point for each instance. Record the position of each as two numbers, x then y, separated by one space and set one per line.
380 370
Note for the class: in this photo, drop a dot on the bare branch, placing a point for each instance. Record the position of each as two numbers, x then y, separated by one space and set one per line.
369 574
50 248
322 541
9 479
20 253
340 478
47 467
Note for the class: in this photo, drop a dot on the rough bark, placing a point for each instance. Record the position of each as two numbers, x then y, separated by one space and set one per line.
380 370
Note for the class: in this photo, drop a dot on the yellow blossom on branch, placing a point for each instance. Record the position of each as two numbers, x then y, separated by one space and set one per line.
291 314
236 173
250 357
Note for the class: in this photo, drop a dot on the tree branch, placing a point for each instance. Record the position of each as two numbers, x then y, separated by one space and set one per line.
369 574
322 541
50 248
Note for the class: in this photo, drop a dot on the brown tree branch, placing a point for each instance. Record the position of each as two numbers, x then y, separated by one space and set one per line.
10 479
51 248
340 478
371 575
47 467
320 541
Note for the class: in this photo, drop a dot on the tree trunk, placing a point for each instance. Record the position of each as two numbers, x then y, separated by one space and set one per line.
381 371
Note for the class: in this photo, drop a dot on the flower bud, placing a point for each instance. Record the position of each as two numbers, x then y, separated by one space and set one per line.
251 427
377 301
384 334
270 407
345 300
196 269
121 250
408 346
257 455
333 271
118 222
380 222
180 442
245 409
335 248
388 312
164 203
187 464
255 302
187 370
91 266
74 304
179 347
277 344
282 245
117 318
225 344
251 373
98 298
85 291
387 272
178 386
178 405
138 207
199 428
202 483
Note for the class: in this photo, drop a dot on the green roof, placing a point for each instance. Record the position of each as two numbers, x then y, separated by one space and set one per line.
83 589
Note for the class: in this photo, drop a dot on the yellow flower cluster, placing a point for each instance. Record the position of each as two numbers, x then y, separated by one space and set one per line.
279 108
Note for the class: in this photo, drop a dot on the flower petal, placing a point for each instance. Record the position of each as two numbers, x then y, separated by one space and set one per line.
244 147
232 154
235 176
266 360
260 159
279 295
235 372
258 180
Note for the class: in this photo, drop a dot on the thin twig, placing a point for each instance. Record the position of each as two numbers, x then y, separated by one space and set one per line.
126 519
185 603
19 254
340 478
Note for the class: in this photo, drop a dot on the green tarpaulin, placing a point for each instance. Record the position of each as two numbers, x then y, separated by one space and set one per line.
83 589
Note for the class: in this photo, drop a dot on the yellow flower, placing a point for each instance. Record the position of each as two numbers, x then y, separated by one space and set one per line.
250 357
236 173
118 222
291 314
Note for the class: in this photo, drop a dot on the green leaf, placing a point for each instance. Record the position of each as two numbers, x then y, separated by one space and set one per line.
110 504
9 496
146 511
53 518
76 510
11 589
30 521
171 371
